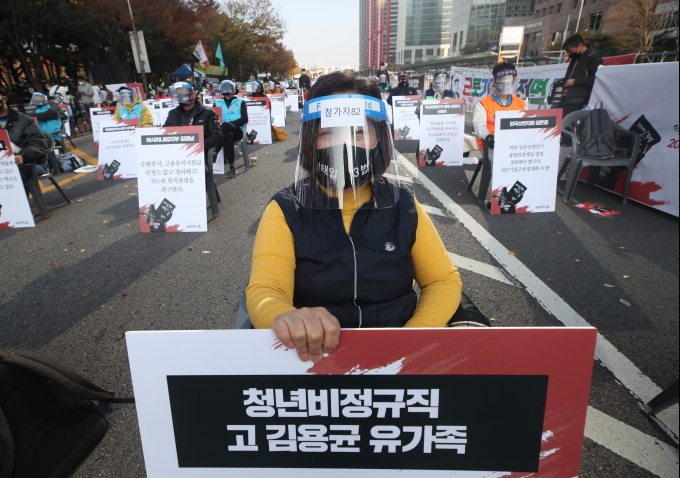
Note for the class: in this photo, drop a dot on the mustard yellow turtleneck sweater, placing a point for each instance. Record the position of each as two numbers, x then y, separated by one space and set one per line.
272 277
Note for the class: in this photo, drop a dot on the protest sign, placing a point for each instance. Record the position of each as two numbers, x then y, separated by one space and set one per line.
534 83
278 110
14 208
595 209
655 180
259 127
210 100
471 84
117 149
97 115
442 127
166 107
171 179
525 161
410 408
417 82
406 123
292 101
218 165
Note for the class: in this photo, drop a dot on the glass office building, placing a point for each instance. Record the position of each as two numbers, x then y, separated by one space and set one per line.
487 18
424 30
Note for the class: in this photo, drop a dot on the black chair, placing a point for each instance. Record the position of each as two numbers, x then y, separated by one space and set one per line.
467 315
36 192
51 156
486 175
578 158
210 186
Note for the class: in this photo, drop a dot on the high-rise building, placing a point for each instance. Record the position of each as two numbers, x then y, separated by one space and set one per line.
375 17
423 30
476 25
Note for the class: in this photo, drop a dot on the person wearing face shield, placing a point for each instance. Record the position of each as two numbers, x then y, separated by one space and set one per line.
402 88
501 99
234 117
580 76
47 115
341 246
191 112
382 84
439 87
130 107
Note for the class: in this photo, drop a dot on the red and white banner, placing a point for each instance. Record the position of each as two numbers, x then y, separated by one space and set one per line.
630 94
442 125
14 208
526 159
97 115
117 149
259 127
385 403
292 101
406 123
171 179
278 111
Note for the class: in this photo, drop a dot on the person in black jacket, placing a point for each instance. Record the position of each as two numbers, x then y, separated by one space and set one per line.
382 71
234 118
304 81
402 89
580 73
25 133
190 112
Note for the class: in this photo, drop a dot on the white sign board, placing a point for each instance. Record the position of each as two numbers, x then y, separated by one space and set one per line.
259 127
292 101
278 110
218 165
534 83
97 115
117 149
525 161
171 179
512 35
14 208
442 127
406 123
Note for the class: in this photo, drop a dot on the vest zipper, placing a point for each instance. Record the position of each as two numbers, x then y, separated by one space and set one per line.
355 268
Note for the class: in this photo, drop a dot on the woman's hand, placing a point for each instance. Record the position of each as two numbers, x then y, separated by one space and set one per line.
312 331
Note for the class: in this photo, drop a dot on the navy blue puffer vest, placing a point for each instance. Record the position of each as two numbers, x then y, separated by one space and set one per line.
364 278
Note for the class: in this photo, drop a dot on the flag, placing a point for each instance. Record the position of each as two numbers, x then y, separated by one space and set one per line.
200 53
218 55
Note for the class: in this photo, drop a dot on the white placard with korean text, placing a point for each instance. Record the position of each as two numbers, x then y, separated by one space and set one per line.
259 127
97 115
278 109
442 126
292 101
171 179
14 208
218 165
406 123
117 149
525 161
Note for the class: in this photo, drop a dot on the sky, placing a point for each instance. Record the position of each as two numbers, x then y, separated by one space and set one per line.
322 32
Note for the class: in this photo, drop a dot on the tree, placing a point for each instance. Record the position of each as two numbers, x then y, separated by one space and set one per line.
641 21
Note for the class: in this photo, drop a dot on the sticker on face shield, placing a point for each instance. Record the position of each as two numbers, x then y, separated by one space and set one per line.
344 110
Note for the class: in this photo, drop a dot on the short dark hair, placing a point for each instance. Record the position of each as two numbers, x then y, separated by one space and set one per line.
503 66
574 40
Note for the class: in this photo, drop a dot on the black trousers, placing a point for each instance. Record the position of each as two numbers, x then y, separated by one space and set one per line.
230 135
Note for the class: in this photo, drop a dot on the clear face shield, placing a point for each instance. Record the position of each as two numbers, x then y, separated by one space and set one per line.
103 95
38 99
182 93
346 155
227 88
126 97
440 83
58 99
505 82
382 80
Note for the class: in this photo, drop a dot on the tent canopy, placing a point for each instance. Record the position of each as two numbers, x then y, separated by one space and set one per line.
184 71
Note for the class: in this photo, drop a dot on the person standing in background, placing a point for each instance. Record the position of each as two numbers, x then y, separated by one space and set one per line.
580 73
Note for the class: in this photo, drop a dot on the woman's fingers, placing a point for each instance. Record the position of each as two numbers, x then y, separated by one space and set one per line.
315 335
331 328
282 332
311 331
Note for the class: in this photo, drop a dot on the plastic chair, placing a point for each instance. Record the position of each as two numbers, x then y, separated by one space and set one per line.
576 163
244 152
34 183
486 175
51 156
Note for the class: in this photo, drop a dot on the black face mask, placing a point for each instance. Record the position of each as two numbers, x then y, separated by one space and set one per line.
403 83
575 56
358 176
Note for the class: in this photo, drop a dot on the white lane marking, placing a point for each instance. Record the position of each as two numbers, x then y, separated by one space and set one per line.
403 179
479 268
434 210
645 451
622 368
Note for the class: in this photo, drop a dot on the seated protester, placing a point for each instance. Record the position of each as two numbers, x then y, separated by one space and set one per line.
277 134
273 88
58 100
129 107
234 117
57 88
191 112
107 100
25 133
382 84
438 87
47 115
402 88
341 246
502 99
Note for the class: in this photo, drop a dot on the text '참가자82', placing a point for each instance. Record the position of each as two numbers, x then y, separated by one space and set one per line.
427 422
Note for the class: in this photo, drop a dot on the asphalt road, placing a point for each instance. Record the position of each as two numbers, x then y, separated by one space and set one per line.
169 283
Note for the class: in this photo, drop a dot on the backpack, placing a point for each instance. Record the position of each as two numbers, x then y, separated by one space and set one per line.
48 424
69 162
596 135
